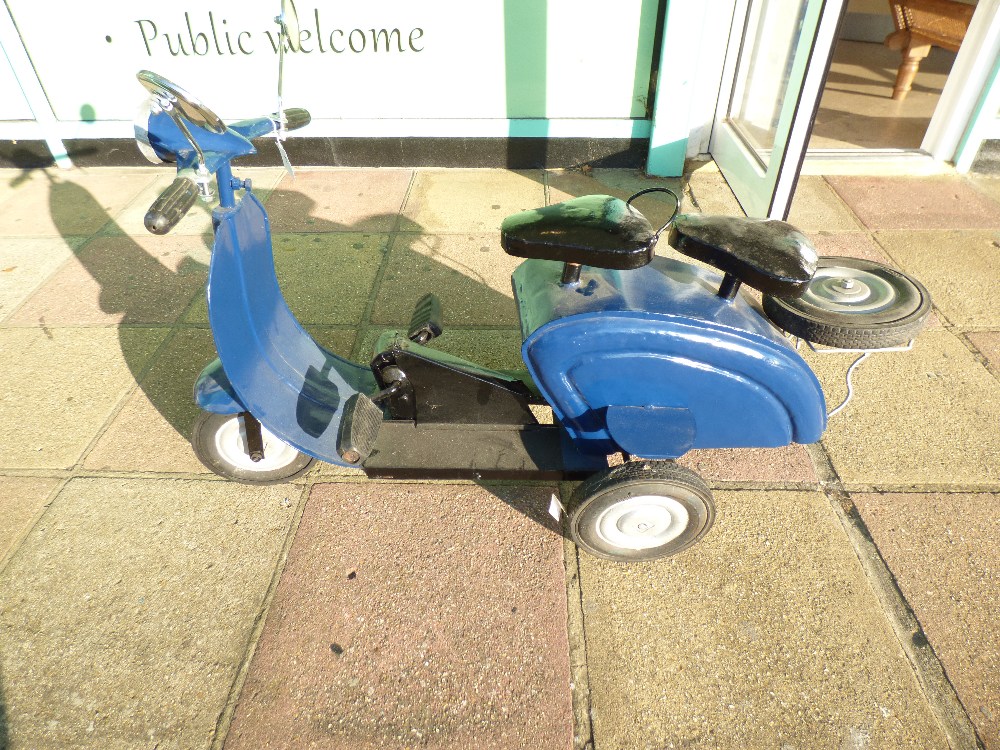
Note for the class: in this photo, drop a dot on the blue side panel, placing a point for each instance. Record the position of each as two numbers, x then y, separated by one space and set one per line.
660 431
292 385
650 361
664 287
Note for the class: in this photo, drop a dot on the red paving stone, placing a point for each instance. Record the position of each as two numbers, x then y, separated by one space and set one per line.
943 548
790 463
988 343
409 615
21 500
917 202
849 245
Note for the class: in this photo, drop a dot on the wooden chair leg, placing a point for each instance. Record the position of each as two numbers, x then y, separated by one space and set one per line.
908 69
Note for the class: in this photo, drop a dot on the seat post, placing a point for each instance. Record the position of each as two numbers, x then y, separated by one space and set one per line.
729 287
570 274
770 255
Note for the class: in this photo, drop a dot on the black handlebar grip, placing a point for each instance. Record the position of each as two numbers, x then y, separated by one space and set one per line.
171 206
296 118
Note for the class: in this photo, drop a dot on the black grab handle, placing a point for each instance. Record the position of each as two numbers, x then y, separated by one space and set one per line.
296 118
171 206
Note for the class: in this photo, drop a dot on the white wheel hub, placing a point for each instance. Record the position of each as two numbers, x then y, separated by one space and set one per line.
838 289
231 445
642 522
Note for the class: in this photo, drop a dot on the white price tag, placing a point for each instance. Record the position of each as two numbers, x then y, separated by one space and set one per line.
556 508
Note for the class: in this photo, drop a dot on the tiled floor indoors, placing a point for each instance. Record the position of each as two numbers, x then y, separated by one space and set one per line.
845 598
857 110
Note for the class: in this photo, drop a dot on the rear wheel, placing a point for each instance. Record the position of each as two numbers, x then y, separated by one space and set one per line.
644 510
854 304
220 442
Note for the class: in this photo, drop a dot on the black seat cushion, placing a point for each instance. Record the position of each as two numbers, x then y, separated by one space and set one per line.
594 230
767 254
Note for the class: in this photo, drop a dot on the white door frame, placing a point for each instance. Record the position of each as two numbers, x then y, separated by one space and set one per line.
768 191
966 112
965 92
44 126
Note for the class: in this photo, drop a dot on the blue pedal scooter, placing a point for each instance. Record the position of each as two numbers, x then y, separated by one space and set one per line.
639 355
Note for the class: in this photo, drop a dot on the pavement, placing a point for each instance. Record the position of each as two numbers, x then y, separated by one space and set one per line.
846 597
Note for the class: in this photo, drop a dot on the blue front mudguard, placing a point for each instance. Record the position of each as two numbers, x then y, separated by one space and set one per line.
214 393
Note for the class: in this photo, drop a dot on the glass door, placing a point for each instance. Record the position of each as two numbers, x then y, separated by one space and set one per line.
779 52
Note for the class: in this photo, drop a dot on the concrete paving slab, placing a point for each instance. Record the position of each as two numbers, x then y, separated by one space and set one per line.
929 202
128 610
333 200
988 185
21 500
927 416
790 463
470 274
960 269
120 280
339 340
631 181
25 263
621 183
988 344
471 200
141 439
414 616
328 278
152 432
816 207
61 386
711 194
325 278
13 181
70 203
765 634
942 550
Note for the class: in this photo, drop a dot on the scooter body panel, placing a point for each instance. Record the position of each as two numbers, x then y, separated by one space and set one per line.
295 387
650 361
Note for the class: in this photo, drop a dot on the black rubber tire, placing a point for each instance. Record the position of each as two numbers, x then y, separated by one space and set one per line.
895 323
594 503
218 448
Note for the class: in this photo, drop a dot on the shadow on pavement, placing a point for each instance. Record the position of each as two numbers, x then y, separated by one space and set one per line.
143 293
404 262
4 737
135 285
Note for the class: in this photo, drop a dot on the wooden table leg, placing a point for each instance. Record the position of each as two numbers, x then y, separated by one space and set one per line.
912 56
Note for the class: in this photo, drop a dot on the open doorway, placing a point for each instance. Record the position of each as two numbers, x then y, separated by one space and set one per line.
857 109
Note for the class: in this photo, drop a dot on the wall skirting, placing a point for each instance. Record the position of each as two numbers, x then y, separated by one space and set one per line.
511 153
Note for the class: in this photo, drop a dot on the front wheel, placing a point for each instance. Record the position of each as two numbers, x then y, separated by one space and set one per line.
644 510
219 441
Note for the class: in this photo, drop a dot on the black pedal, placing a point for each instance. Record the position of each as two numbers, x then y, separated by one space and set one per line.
358 428
425 323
